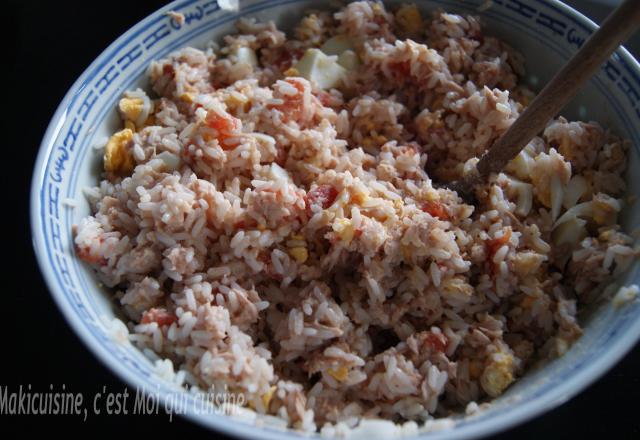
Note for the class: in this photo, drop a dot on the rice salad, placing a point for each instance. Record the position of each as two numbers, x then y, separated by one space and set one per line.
269 224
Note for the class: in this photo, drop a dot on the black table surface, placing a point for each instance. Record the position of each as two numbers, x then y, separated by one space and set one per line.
49 45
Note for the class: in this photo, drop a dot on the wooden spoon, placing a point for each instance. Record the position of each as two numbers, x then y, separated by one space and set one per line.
583 65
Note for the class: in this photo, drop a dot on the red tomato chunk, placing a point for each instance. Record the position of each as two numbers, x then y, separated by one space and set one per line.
225 126
323 195
435 209
438 342
159 316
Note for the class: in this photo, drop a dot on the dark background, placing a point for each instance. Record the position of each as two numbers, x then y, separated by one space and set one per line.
46 47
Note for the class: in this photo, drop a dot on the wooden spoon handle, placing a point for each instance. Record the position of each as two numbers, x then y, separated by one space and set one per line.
564 85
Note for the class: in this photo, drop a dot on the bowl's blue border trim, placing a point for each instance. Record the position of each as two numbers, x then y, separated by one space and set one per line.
64 278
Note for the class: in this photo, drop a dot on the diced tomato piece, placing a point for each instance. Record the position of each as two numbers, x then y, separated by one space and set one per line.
297 84
435 209
437 341
323 195
84 255
159 316
167 69
401 68
246 224
292 105
221 123
283 62
286 57
224 125
281 157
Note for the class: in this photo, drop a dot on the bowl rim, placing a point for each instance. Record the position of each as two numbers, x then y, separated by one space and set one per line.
516 415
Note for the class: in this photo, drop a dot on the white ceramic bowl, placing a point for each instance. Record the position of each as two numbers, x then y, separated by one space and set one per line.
545 31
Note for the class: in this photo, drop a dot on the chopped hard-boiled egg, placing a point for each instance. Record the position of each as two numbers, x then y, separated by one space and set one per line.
557 196
187 97
339 374
605 209
569 232
524 194
245 55
498 374
320 68
409 19
349 60
358 197
236 100
550 175
131 108
342 47
266 397
344 229
456 288
337 45
577 188
527 262
300 254
136 110
291 71
521 165
581 210
117 156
